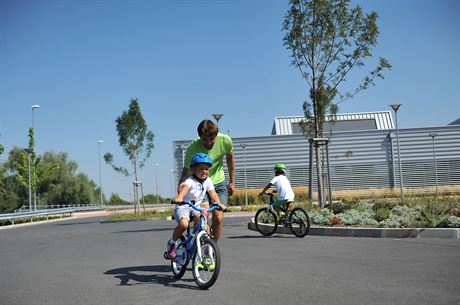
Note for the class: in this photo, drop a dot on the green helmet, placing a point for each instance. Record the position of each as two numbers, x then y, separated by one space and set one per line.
280 166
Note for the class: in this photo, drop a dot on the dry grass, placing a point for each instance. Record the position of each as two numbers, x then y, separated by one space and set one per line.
301 193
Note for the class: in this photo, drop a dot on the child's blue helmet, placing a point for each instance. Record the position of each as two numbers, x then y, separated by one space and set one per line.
200 158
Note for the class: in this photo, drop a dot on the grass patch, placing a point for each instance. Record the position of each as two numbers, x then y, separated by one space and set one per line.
133 216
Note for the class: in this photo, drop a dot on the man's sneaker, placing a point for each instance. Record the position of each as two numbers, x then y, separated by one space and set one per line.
172 249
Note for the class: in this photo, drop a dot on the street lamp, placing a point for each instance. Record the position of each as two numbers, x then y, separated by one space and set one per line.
243 146
217 116
401 184
157 165
29 151
33 108
33 146
433 135
100 176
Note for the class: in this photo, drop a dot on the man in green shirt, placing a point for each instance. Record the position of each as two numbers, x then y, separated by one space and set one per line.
217 146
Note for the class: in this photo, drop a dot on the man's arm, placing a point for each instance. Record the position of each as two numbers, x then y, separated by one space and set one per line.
231 173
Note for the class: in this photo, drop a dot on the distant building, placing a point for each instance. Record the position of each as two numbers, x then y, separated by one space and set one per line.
362 149
288 125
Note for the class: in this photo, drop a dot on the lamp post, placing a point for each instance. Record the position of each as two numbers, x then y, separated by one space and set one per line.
433 135
172 183
29 151
217 116
33 147
100 176
156 177
243 146
395 107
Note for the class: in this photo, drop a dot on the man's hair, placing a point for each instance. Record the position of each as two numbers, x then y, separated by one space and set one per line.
208 129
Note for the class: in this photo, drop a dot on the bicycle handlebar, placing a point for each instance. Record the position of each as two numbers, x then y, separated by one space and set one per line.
214 206
266 193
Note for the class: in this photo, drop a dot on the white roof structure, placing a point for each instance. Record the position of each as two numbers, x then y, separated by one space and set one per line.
379 120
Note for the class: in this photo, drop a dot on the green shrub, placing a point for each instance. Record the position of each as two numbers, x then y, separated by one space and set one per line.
453 222
321 217
356 217
382 214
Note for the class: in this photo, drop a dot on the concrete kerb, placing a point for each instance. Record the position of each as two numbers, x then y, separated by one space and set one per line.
374 232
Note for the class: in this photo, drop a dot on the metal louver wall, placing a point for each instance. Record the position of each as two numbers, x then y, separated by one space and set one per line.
358 159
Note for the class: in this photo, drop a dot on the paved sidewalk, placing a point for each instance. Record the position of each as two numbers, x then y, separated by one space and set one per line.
374 232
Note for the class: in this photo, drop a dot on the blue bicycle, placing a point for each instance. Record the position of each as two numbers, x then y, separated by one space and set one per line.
198 246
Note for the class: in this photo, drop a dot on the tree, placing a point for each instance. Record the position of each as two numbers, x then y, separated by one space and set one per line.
328 40
64 185
135 140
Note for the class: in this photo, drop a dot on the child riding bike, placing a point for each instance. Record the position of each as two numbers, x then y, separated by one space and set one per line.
283 187
193 189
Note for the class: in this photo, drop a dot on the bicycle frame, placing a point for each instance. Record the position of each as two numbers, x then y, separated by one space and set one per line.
270 206
198 231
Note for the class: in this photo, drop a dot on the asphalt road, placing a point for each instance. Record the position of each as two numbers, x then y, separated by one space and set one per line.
83 261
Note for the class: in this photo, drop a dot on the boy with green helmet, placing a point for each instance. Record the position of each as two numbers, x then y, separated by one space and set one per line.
282 185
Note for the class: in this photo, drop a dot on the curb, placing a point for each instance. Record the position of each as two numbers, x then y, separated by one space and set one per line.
374 232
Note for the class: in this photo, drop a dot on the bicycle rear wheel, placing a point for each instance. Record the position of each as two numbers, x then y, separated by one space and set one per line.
207 267
266 222
179 264
299 222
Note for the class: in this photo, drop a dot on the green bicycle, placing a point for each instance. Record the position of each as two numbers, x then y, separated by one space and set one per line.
267 219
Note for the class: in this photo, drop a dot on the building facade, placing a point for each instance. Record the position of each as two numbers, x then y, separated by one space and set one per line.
358 159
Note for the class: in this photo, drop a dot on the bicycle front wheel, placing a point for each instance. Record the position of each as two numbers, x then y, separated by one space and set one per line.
299 222
179 264
266 222
207 267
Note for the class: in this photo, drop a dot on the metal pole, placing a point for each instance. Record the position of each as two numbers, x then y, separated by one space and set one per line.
401 183
243 146
318 176
100 175
433 135
33 149
310 171
157 165
30 182
172 184
328 173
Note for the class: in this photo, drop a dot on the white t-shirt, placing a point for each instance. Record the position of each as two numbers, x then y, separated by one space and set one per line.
283 187
198 189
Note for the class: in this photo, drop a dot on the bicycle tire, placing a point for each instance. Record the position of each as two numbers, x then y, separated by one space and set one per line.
178 270
299 222
266 221
206 271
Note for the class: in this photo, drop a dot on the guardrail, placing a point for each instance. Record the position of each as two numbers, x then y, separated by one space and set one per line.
46 213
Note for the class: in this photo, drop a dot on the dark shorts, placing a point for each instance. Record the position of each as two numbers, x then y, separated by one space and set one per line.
279 203
221 190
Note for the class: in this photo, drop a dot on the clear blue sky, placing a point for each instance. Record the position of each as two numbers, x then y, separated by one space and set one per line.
82 62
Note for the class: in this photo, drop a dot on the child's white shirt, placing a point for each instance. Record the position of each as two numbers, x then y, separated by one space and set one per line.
197 189
283 187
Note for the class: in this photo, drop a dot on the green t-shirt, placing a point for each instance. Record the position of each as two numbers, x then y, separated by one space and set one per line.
222 146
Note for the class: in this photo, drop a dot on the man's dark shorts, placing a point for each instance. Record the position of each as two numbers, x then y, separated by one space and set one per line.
221 190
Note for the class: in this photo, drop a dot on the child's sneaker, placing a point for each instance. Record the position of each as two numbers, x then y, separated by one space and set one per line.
172 249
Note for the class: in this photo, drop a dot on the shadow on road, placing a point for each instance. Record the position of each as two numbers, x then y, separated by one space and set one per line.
256 236
137 275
